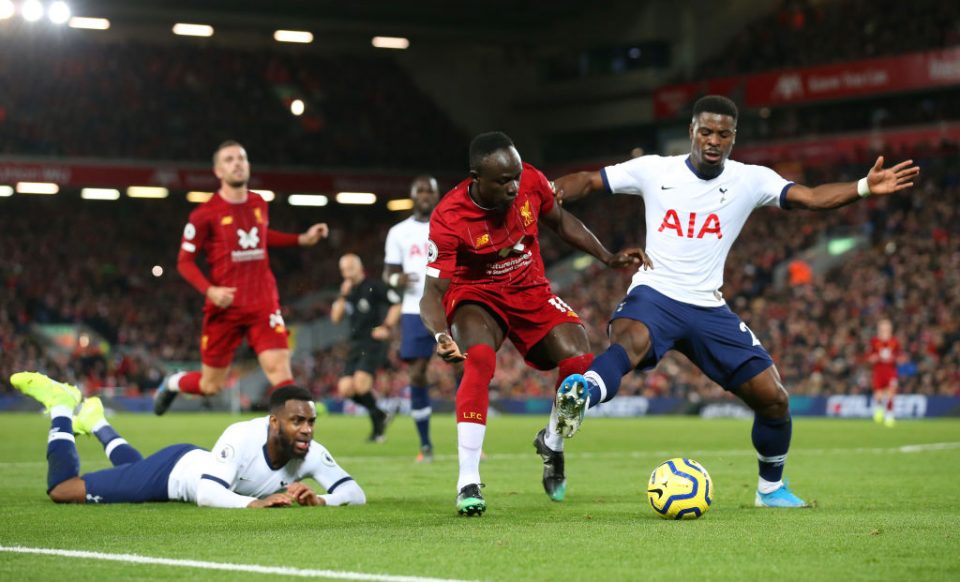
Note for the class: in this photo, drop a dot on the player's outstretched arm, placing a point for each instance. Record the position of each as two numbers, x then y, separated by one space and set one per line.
879 181
577 235
575 186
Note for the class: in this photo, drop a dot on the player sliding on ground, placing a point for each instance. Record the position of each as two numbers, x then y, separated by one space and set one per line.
486 283
695 208
256 463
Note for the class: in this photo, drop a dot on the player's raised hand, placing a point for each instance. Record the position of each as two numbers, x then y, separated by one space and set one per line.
304 495
448 349
890 180
222 297
313 235
634 257
275 500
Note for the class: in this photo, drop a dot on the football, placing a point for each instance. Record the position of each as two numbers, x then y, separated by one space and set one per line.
680 489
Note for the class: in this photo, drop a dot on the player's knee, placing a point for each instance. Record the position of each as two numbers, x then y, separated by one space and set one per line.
777 405
418 375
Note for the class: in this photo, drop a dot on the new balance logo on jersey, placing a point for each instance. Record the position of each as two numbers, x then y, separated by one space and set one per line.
710 225
249 239
276 321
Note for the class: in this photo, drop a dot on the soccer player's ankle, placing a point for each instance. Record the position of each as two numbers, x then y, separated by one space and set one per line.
61 410
764 486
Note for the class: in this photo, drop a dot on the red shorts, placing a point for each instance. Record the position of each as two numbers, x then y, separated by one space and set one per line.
884 381
223 329
528 315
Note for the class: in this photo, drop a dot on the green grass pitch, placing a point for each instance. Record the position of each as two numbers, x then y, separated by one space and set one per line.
884 509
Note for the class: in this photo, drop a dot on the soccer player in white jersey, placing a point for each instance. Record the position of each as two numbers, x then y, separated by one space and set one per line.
696 205
256 463
405 266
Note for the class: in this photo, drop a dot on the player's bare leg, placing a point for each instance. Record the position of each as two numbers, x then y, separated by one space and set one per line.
275 364
566 347
479 335
772 428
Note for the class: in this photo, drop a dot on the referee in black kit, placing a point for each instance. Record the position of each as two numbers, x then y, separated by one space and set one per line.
373 310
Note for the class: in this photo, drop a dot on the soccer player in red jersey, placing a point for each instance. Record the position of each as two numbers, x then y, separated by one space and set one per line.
486 282
232 229
884 351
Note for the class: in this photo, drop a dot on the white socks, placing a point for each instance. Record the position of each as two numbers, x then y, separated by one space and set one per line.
173 382
553 440
470 444
764 486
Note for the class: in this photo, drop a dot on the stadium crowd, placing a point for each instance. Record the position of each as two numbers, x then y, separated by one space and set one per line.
81 99
805 33
817 330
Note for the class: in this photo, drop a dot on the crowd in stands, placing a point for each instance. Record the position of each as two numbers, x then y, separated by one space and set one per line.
806 32
67 261
131 100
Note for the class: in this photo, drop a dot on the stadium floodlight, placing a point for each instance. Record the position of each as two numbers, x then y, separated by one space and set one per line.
147 192
31 10
6 191
100 194
199 197
157 271
398 204
59 12
307 200
185 29
297 107
37 188
390 42
356 197
87 23
268 195
300 36
7 9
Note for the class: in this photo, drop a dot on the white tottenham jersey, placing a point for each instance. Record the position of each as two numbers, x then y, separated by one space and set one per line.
407 246
692 223
239 462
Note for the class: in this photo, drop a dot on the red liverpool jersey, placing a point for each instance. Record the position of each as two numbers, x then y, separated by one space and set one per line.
495 248
233 236
884 355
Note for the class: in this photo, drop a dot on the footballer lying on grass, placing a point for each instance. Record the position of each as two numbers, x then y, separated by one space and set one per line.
250 466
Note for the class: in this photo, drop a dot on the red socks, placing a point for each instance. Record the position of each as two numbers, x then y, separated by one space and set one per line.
473 396
575 365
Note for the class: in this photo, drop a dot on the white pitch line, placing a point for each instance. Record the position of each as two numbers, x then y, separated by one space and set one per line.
351 459
252 568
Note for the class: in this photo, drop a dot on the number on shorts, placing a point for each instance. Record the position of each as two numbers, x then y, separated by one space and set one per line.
560 304
745 329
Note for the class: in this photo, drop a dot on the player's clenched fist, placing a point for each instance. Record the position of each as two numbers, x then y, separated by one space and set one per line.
314 234
222 297
634 257
448 349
